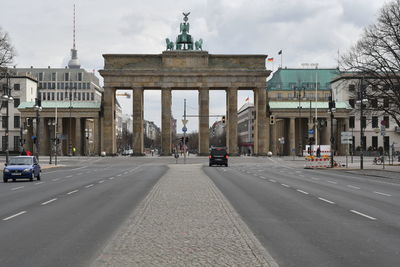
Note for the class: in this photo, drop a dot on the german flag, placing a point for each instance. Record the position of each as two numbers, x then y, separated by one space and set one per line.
271 59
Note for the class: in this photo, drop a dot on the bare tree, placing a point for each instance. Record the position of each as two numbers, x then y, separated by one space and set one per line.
375 59
7 51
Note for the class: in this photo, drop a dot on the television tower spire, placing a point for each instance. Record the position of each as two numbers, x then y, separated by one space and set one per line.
74 61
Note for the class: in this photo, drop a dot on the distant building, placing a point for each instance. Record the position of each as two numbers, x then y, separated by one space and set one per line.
245 131
23 88
151 130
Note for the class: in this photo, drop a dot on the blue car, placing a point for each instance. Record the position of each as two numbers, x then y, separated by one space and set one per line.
22 167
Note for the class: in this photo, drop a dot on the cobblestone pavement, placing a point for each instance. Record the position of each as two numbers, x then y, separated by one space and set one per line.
184 221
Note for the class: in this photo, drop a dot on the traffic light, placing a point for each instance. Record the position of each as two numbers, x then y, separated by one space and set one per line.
187 140
182 139
223 119
272 119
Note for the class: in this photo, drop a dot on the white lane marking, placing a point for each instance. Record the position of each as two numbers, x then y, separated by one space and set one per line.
15 215
119 174
111 178
56 179
328 201
72 192
90 185
262 177
16 188
352 186
79 168
101 181
362 214
383 194
315 178
332 182
127 172
285 185
39 183
68 176
49 201
301 191
79 173
272 180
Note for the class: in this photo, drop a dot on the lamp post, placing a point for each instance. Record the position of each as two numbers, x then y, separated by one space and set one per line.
50 124
332 109
299 96
361 102
38 108
70 120
8 98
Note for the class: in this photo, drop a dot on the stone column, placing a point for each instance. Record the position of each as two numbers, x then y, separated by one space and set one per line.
137 114
262 123
166 130
204 141
44 141
96 136
292 136
108 130
78 137
231 134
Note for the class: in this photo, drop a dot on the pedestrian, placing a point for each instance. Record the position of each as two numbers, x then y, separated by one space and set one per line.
318 152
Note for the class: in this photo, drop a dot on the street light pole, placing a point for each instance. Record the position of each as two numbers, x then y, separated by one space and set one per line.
332 109
8 98
37 107
70 122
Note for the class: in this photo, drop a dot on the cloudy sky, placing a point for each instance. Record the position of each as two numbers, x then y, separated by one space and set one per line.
308 31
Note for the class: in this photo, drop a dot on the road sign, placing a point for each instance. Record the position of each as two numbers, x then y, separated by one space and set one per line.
281 140
346 138
311 131
184 129
347 134
184 122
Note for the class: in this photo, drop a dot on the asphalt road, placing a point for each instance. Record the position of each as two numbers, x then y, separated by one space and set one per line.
315 217
68 216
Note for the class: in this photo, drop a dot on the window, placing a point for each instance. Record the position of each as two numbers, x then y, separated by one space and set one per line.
53 76
374 103
74 95
66 76
363 122
351 102
17 86
80 77
39 85
375 122
364 143
58 85
52 96
83 96
62 96
75 85
16 143
49 86
386 142
53 86
44 85
386 121
62 85
79 85
40 76
87 85
4 122
83 85
4 104
386 102
279 95
87 96
17 120
375 142
48 96
92 96
352 87
16 102
79 96
4 142
44 96
351 122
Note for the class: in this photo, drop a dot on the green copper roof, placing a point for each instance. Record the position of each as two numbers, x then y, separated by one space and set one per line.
61 104
306 105
287 79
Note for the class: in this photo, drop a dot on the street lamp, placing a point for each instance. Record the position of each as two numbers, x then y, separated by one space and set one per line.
361 101
70 119
37 107
299 96
51 123
332 109
8 98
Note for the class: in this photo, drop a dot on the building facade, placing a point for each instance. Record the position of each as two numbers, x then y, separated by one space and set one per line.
246 116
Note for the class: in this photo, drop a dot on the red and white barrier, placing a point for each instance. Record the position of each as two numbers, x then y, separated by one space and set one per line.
314 162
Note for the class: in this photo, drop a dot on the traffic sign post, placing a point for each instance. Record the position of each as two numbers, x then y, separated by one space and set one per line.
346 138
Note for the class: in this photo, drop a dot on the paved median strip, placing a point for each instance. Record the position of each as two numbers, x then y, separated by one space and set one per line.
13 216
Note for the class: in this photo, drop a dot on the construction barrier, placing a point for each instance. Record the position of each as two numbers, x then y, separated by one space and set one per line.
314 162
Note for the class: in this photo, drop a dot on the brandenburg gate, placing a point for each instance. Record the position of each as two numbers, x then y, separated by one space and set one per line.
185 69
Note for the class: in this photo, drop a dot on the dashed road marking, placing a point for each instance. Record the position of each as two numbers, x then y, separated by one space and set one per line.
332 182
111 178
315 178
72 192
119 175
364 215
90 185
285 185
272 180
16 188
383 194
352 186
262 177
49 201
326 200
15 215
68 176
301 191
101 181
56 179
79 173
39 183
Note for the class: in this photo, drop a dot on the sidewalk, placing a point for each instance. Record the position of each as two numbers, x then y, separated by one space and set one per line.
184 221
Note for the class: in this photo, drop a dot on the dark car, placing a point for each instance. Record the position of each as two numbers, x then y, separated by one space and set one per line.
22 167
218 156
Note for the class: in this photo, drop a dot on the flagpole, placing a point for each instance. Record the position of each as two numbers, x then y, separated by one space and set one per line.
281 59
